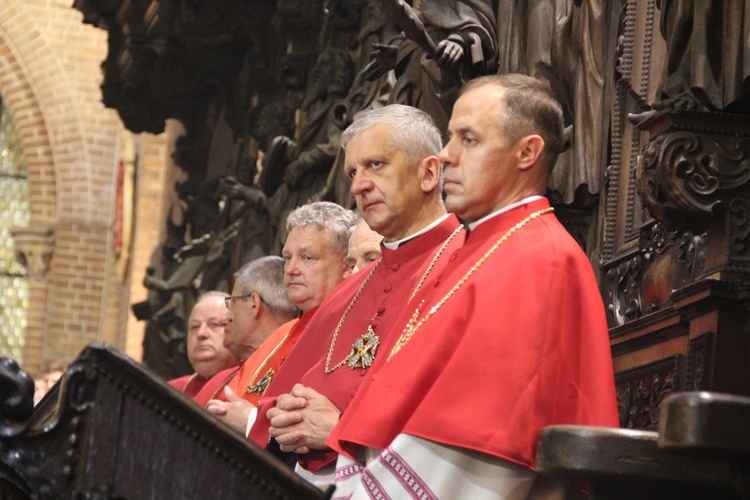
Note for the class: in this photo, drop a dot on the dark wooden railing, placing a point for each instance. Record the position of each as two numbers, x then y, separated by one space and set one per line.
111 429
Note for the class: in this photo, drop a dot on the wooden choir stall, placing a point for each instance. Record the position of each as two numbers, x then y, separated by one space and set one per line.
110 429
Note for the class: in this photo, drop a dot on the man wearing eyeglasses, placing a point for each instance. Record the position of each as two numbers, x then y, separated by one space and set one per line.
257 307
205 343
314 263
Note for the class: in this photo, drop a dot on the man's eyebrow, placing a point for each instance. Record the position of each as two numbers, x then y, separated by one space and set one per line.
459 130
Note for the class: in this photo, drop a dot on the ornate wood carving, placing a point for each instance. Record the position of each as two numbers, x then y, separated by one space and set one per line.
624 297
17 390
109 429
694 162
699 362
674 204
677 187
641 391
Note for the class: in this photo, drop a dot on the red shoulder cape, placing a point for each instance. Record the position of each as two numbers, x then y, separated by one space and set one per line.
522 344
380 303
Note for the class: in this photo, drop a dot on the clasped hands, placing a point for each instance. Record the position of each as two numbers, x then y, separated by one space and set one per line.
302 420
234 412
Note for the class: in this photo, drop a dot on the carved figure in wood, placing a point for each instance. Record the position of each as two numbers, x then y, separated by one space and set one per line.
564 43
307 162
451 41
708 64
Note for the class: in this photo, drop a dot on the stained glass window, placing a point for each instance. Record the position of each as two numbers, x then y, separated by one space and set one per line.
14 211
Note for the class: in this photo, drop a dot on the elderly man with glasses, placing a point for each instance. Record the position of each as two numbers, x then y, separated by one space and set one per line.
257 307
314 263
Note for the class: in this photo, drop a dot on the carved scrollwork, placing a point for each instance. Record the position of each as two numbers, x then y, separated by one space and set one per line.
692 256
659 238
686 171
16 398
41 447
625 299
739 208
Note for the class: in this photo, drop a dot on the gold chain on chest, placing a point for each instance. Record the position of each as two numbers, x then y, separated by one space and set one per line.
415 323
369 339
251 387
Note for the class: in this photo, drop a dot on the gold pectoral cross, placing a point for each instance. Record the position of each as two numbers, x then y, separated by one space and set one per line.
363 350
262 384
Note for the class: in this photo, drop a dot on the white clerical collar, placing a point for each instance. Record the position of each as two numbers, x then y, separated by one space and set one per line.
392 245
473 225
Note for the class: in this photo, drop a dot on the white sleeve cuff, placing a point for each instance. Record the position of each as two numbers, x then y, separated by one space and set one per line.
251 420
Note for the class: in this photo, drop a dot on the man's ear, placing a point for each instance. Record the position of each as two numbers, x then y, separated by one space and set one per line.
431 169
256 304
529 151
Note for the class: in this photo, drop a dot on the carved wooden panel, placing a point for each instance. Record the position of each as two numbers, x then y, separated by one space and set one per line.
640 391
624 214
699 363
109 429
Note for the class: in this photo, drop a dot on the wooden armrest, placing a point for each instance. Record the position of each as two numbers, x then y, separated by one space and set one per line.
623 463
706 424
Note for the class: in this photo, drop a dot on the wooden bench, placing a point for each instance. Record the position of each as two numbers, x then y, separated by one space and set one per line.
701 450
110 430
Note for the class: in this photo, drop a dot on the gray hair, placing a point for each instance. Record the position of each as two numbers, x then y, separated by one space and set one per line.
530 108
337 220
412 130
265 276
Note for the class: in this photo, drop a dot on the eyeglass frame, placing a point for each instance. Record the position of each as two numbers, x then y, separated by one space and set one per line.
230 299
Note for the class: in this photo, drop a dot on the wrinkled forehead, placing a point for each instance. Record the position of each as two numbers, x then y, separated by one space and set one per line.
309 238
377 134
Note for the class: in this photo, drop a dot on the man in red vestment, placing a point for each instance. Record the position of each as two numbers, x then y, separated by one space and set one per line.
510 338
258 306
314 256
205 349
391 159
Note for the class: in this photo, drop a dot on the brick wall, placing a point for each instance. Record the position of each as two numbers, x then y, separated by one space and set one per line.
154 181
49 80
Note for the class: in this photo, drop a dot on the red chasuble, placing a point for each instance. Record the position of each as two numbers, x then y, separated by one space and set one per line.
521 345
382 300
189 385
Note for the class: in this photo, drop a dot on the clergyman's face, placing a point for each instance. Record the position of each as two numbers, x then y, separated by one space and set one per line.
312 268
479 171
385 183
364 247
205 341
245 333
